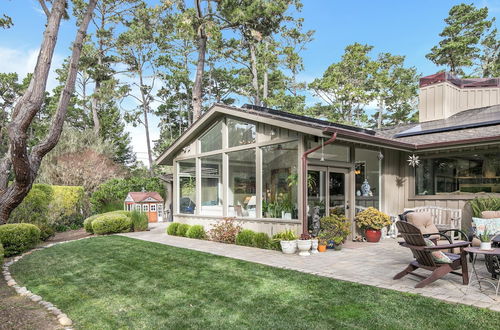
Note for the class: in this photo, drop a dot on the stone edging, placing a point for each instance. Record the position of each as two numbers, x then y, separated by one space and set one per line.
63 319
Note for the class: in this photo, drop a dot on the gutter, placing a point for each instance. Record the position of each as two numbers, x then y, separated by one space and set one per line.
304 179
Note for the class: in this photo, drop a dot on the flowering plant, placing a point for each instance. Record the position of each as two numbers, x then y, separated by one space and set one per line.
371 218
225 231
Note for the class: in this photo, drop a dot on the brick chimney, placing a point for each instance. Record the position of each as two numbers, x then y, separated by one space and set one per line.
442 95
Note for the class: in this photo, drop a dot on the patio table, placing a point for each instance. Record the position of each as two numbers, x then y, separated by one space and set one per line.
475 251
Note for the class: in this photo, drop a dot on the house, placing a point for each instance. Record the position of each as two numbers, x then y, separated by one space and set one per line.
274 170
150 203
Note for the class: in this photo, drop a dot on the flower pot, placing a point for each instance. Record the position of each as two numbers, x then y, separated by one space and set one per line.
322 247
286 215
485 246
330 244
373 235
338 247
288 247
304 246
314 245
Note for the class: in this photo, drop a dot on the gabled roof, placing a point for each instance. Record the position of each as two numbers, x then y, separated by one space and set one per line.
146 196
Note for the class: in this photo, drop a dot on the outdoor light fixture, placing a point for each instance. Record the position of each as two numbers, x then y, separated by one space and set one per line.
380 155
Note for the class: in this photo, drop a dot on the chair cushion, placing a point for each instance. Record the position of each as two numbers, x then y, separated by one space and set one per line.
490 214
438 256
492 224
423 221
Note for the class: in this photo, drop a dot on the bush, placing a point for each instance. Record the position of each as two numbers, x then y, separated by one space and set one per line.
182 229
139 221
18 237
225 231
46 231
245 237
371 218
1 253
262 241
172 228
87 223
111 223
196 231
35 206
480 204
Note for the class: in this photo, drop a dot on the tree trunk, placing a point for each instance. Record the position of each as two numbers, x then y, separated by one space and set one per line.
26 165
95 105
197 96
145 108
380 114
265 87
5 165
255 80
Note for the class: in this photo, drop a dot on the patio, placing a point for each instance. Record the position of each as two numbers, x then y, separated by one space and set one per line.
367 263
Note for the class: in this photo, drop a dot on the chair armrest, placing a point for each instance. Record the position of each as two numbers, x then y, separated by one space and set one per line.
464 235
447 246
440 234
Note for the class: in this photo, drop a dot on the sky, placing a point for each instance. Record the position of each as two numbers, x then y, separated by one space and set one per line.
409 28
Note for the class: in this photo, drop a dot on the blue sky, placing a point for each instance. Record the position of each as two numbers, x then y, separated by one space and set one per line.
401 27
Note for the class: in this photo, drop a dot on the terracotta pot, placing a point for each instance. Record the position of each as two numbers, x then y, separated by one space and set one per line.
322 247
373 235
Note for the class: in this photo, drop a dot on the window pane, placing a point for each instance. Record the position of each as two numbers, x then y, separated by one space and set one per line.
367 175
279 181
211 185
187 186
333 151
240 133
465 173
212 140
241 189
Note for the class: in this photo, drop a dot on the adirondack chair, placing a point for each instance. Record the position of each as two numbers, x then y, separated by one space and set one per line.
448 221
414 240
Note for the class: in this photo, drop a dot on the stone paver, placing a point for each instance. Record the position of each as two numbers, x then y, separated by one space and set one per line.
367 263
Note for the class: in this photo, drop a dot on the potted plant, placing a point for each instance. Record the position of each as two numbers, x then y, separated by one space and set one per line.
485 240
335 228
372 221
322 239
304 245
286 206
288 241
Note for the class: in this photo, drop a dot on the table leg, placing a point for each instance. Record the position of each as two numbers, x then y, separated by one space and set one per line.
474 270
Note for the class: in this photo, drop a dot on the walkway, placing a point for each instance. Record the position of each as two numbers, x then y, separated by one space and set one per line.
367 263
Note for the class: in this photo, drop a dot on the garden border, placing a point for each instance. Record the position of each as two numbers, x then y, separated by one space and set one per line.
62 318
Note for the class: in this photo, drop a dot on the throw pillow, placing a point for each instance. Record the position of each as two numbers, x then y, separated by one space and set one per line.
493 225
438 256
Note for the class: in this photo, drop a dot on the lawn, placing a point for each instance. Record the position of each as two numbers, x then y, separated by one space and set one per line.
117 282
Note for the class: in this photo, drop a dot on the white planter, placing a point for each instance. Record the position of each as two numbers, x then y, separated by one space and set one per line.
485 246
304 247
288 247
314 246
285 215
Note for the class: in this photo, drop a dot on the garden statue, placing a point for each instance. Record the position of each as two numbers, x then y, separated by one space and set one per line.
315 222
365 188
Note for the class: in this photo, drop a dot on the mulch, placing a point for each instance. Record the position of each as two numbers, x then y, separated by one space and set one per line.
18 312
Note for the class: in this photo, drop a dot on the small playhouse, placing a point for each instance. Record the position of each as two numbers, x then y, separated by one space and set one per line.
149 202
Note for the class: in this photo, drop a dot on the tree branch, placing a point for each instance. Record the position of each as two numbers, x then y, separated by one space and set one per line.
44 7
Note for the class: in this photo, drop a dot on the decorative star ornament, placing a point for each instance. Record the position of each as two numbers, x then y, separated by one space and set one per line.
413 160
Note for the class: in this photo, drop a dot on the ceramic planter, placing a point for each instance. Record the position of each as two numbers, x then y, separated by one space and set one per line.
322 247
314 246
338 247
485 246
373 235
304 246
288 247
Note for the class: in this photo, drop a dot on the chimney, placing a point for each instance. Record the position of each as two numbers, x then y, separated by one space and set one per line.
442 95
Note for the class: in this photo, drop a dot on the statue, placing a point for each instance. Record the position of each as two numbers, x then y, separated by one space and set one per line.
315 222
365 188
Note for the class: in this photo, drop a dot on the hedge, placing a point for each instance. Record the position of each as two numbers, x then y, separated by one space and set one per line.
111 224
172 228
1 253
245 237
262 241
88 223
196 231
182 229
18 237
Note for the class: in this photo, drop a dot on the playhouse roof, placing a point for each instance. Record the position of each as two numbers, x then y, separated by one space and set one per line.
145 196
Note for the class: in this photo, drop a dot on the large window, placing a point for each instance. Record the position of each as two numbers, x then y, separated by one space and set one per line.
211 185
367 178
472 172
241 189
187 186
333 151
279 181
240 132
212 140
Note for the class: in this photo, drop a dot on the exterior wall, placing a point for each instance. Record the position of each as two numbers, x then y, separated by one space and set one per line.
443 100
267 226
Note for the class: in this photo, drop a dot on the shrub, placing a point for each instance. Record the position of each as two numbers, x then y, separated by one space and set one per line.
34 207
371 218
46 231
172 228
87 223
196 231
334 228
480 204
111 223
225 231
182 229
139 221
18 237
262 241
68 207
1 253
245 237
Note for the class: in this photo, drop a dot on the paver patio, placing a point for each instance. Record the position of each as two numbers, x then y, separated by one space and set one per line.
367 263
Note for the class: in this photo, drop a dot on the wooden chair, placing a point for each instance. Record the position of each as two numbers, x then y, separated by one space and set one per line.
414 240
445 219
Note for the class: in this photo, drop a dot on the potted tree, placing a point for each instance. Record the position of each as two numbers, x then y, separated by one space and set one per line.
372 221
335 228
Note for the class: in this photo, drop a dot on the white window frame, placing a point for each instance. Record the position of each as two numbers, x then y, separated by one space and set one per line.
152 208
145 207
138 207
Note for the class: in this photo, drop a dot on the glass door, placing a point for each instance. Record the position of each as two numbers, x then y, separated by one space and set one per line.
337 192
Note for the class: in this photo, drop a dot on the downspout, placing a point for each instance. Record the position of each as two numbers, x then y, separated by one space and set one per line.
304 179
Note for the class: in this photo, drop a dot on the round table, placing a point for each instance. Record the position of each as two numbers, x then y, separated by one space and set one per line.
475 251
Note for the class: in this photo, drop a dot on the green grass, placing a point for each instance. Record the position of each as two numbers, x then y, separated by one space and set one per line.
117 282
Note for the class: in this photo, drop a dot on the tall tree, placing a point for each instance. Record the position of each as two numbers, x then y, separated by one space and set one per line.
489 59
459 46
26 163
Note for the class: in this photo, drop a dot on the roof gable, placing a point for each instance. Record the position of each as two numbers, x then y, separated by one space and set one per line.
146 196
